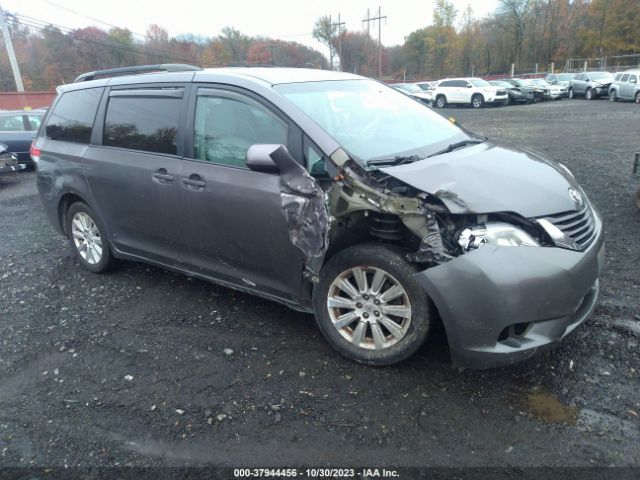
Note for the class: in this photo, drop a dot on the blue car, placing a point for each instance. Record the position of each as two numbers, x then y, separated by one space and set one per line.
18 129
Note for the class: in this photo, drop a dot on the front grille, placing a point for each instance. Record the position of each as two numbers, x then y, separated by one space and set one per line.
501 92
579 225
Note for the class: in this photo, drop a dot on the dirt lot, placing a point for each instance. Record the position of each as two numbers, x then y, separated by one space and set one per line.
147 367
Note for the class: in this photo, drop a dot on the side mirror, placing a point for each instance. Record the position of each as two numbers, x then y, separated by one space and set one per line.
469 85
258 158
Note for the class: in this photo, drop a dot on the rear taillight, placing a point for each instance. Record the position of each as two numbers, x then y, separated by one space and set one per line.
35 153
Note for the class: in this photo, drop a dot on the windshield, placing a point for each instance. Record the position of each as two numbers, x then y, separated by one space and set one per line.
409 87
478 82
502 84
600 75
539 81
563 77
370 120
525 83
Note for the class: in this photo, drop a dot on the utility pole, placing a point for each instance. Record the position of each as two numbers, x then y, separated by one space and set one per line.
330 42
273 56
379 18
11 53
339 25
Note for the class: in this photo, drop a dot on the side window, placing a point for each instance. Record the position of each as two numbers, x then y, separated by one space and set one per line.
11 123
617 77
625 77
445 84
72 117
315 159
145 123
34 121
227 125
633 79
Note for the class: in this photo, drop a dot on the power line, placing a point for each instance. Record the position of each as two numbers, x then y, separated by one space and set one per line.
43 26
92 18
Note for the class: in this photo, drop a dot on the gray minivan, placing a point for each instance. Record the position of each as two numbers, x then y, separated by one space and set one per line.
331 193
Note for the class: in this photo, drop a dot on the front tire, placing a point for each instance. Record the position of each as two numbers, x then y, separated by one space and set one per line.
441 101
612 96
637 97
370 307
477 101
589 95
88 238
572 94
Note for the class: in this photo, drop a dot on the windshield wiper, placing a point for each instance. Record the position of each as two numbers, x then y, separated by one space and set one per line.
398 160
460 144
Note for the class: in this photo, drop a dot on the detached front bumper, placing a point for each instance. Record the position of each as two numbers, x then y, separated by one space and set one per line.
499 305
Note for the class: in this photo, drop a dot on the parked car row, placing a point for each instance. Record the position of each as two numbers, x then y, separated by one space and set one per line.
477 92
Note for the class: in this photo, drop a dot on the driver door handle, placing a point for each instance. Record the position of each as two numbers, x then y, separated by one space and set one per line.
194 181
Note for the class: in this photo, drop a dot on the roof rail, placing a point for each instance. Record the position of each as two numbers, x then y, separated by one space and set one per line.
114 72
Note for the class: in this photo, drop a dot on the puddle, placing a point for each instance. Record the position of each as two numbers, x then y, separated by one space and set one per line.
547 407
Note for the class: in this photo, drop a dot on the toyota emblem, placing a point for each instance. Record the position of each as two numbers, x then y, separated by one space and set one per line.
576 197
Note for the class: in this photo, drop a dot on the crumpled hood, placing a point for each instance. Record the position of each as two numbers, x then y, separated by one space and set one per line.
487 178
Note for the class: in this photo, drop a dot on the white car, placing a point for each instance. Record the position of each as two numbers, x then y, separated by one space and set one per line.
413 91
554 92
468 91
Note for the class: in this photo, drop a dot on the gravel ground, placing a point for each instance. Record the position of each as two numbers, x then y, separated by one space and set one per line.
147 367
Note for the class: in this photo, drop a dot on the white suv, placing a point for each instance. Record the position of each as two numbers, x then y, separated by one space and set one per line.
469 91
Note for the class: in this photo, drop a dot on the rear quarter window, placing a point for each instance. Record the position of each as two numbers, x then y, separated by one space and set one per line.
72 117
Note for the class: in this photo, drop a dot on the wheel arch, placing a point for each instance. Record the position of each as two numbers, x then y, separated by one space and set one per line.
64 204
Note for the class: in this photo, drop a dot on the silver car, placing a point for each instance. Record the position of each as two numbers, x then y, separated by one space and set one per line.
625 86
560 78
590 85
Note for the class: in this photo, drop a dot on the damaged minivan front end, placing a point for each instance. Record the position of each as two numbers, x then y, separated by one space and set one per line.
504 242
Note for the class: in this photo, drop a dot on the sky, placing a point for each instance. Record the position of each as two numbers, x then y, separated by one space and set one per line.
290 20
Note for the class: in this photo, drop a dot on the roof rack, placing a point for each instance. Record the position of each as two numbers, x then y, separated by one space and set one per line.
114 72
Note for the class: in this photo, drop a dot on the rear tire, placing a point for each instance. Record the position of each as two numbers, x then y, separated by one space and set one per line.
370 307
88 238
477 101
637 195
441 101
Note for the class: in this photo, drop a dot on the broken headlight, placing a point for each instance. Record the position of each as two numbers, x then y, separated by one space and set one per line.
495 233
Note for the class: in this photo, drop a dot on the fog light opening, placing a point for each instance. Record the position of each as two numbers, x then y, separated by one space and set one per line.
513 332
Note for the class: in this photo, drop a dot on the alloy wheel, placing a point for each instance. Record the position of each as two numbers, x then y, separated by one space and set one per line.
86 238
369 307
571 94
637 97
612 96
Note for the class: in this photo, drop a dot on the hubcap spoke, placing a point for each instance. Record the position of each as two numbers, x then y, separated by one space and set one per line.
378 280
393 327
345 320
397 310
394 292
340 302
378 336
358 333
361 280
346 286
